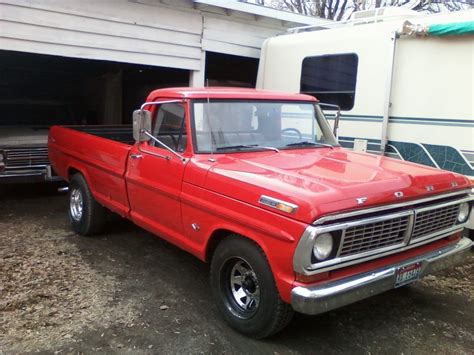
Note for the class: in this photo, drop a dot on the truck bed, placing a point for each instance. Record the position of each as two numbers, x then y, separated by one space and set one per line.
122 133
100 153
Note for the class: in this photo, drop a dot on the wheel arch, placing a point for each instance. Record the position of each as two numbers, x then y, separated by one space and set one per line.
76 169
71 170
220 234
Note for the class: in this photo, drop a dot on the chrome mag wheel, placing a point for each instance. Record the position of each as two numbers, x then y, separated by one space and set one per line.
243 287
76 204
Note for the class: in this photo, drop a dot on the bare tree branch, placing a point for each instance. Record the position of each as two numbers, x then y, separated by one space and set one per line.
337 10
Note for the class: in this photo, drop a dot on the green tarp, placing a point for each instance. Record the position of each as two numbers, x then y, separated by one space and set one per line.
452 29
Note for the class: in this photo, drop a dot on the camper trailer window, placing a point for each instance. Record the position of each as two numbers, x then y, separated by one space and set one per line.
331 78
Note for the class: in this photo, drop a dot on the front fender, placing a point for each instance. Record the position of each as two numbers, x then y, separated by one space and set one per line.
205 212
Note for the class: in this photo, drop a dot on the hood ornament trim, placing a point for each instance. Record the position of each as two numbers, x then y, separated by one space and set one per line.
361 200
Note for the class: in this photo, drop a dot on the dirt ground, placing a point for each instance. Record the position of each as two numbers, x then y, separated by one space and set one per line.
129 292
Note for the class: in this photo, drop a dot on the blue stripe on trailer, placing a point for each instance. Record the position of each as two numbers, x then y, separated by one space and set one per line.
408 120
445 157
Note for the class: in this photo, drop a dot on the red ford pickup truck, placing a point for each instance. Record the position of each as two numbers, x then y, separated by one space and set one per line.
255 183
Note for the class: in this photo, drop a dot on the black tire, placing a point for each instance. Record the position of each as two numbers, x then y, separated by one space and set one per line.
468 233
269 313
92 218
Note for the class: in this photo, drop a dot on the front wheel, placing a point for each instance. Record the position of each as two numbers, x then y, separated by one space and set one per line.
245 291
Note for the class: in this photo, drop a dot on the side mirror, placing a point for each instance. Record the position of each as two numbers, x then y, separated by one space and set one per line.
141 123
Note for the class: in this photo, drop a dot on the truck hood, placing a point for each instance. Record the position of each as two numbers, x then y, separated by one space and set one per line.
12 136
325 181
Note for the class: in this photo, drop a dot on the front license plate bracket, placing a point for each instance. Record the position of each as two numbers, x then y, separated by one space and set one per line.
407 274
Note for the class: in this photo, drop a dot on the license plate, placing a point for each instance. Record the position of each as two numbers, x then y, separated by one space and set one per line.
407 274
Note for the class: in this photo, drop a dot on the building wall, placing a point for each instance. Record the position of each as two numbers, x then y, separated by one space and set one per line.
162 33
115 30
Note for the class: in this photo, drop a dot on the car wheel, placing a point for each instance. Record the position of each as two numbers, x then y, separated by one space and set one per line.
245 291
86 215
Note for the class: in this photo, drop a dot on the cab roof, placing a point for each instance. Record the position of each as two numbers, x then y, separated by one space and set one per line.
226 93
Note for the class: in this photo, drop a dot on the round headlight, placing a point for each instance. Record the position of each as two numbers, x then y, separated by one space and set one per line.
323 246
463 212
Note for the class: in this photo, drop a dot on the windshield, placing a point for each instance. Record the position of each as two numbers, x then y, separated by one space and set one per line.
223 126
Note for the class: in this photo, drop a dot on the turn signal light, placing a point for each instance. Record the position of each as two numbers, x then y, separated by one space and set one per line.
312 278
455 236
285 208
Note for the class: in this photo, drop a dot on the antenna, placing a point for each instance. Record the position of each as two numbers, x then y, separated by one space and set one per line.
213 141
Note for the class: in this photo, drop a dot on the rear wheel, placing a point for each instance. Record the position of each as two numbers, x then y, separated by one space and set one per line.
86 215
245 291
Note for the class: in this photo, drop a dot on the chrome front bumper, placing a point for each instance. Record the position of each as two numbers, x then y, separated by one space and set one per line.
332 295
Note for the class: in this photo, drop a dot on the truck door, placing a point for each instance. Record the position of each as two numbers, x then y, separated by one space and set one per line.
154 175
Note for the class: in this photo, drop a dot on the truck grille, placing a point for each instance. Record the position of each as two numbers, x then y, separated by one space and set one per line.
435 220
383 230
31 157
376 235
386 232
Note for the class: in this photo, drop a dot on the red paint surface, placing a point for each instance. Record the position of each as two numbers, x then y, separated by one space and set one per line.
167 196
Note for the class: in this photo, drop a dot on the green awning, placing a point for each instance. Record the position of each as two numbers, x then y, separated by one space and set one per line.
452 29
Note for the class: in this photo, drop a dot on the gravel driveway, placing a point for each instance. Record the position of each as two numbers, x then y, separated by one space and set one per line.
127 291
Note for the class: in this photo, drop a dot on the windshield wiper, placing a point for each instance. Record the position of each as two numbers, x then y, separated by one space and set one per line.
309 143
250 146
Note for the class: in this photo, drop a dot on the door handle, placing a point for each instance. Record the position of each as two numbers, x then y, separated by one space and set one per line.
136 156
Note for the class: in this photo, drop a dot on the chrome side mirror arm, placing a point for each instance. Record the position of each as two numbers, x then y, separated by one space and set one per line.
142 124
337 116
156 140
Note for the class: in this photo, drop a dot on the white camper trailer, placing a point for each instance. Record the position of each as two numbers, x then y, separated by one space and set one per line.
405 89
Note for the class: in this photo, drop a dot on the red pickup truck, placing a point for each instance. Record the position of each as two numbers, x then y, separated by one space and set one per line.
255 183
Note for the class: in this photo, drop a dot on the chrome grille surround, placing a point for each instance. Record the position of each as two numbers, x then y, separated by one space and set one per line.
364 239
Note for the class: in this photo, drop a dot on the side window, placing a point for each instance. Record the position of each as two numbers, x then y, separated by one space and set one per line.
170 126
331 78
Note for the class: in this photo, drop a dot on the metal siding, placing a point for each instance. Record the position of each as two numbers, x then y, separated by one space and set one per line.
238 37
130 33
168 34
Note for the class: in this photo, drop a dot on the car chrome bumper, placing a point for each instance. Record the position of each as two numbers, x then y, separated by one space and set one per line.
470 223
332 295
29 175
